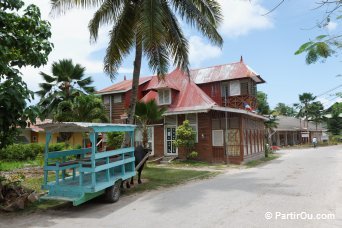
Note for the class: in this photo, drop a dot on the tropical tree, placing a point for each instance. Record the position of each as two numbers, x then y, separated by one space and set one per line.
284 110
147 113
270 125
326 45
24 41
185 137
83 108
149 27
263 106
334 122
66 82
305 100
316 112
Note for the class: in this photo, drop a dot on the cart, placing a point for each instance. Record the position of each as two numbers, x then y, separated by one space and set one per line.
83 174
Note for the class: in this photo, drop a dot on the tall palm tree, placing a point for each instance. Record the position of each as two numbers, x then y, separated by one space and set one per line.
66 82
305 100
151 28
147 113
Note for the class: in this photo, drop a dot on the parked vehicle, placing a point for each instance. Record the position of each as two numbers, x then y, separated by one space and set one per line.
92 172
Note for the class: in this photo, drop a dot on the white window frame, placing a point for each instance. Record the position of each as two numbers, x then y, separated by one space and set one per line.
106 100
195 126
161 96
214 142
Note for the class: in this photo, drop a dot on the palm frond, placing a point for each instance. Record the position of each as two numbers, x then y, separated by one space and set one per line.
47 77
107 13
122 39
175 39
194 17
61 6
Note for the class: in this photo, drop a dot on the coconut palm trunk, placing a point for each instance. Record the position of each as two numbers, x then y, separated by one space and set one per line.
135 81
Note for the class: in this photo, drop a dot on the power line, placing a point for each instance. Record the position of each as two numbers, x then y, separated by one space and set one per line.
330 90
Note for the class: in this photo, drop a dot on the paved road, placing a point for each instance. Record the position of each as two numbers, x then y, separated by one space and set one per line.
308 180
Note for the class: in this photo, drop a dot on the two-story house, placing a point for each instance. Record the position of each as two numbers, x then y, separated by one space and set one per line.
218 101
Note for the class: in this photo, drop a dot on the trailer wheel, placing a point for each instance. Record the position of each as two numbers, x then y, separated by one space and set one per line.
112 194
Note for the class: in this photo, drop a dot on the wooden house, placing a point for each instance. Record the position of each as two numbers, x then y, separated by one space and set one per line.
218 101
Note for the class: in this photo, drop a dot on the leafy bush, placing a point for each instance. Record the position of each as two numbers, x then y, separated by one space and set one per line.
185 137
22 152
192 155
115 139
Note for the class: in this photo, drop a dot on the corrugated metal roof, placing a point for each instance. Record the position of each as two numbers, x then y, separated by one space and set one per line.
123 86
84 127
224 72
188 95
287 123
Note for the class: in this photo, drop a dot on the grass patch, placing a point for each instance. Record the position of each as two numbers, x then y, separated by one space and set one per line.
195 164
11 165
165 177
254 163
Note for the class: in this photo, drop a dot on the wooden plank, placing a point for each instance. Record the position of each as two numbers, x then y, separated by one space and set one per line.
113 152
64 153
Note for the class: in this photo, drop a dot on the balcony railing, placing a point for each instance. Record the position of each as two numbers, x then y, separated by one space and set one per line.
240 101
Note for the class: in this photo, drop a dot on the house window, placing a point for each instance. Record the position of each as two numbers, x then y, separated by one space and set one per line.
234 88
225 89
164 96
193 123
34 138
117 98
170 120
106 100
217 137
244 88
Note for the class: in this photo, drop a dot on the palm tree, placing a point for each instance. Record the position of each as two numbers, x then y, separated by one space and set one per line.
305 100
151 28
147 113
83 108
66 82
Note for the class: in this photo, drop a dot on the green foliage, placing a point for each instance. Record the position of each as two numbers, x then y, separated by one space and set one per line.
83 108
65 84
263 106
23 42
115 139
305 100
284 110
334 122
315 112
192 155
316 50
185 137
23 152
147 113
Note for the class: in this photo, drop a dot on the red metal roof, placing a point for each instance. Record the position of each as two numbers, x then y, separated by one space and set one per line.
189 97
224 72
123 86
36 127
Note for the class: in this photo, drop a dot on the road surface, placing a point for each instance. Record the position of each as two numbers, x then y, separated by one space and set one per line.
296 190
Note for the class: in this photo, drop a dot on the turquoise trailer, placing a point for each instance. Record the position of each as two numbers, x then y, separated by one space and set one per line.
83 174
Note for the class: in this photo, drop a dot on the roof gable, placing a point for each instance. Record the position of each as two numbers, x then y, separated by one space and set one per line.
224 72
123 86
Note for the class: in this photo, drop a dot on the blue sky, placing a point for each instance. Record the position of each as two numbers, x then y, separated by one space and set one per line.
267 44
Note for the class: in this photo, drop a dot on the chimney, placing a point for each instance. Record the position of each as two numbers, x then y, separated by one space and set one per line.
124 77
241 59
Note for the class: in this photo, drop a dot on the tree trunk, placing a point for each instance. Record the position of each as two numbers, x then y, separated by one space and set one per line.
135 85
135 81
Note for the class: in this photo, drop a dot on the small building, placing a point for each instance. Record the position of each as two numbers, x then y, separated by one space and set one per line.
34 134
293 131
218 101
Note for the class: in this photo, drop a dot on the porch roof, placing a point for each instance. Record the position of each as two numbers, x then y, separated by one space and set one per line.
85 127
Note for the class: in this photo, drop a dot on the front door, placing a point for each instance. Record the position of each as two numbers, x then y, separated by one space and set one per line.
170 133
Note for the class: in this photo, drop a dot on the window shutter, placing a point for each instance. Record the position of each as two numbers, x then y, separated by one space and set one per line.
217 137
234 88
167 97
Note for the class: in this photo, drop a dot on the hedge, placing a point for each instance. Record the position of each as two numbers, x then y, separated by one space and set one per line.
22 152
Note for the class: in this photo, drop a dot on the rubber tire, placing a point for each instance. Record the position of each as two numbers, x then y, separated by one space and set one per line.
112 194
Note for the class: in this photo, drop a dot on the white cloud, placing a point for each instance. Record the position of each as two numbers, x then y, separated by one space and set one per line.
243 16
200 51
70 37
331 26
